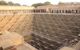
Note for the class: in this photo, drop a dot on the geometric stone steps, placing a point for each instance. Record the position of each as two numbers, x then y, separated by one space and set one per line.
16 23
62 29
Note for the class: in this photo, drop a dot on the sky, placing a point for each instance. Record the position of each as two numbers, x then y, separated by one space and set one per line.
30 2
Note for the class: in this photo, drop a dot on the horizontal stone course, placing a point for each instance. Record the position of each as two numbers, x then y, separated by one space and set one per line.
55 30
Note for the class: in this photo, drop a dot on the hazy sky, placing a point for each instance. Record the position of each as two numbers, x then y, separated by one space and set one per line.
30 2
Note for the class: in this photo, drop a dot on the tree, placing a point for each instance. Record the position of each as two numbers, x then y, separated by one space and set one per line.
37 4
41 4
10 3
16 4
13 4
47 3
3 3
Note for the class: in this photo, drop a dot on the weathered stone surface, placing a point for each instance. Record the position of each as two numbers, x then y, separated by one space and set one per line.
55 30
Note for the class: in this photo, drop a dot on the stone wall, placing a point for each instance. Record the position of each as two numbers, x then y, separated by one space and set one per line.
55 30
